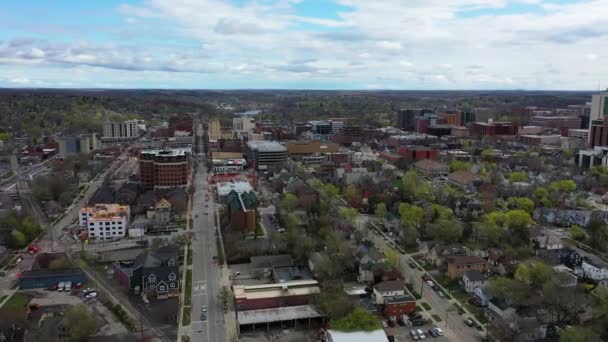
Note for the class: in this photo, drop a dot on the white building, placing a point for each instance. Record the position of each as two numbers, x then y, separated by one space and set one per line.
105 221
389 288
120 131
594 272
243 126
599 106
225 188
229 165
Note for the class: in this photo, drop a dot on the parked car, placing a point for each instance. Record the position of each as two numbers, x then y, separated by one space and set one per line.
88 290
438 330
421 334
414 335
469 322
412 264
91 295
204 308
433 333
441 294
384 324
430 283
391 323
401 322
61 286
52 288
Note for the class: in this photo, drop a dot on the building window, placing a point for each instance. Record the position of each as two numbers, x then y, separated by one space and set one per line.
171 262
172 277
173 285
162 288
152 278
152 286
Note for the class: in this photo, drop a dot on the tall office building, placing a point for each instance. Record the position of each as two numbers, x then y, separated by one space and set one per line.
406 118
165 168
75 144
182 124
263 155
598 127
243 127
214 130
120 131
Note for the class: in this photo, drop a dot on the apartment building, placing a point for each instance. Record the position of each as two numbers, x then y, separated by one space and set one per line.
105 221
120 131
165 168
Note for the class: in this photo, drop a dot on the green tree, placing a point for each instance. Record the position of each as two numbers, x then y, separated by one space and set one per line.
381 210
598 233
411 215
457 165
60 263
487 154
577 233
30 228
80 322
18 239
358 320
563 186
414 187
289 201
535 274
518 176
349 214
518 219
522 203
333 302
445 230
332 191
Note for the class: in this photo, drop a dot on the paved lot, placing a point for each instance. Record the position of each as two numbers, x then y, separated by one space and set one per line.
286 335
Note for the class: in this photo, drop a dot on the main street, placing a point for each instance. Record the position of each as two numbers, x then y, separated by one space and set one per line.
207 318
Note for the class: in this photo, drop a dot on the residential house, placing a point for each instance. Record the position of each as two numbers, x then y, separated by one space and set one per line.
439 252
472 280
53 209
468 207
541 240
397 306
480 294
457 265
242 211
464 179
563 217
160 214
389 288
498 309
178 197
315 260
155 273
570 258
430 168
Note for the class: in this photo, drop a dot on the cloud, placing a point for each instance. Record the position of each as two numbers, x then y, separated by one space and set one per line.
394 43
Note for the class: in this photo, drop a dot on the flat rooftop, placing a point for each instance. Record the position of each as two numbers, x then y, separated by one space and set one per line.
169 152
357 336
225 188
292 288
266 146
277 314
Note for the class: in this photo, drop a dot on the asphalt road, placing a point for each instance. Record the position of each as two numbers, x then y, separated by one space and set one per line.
209 325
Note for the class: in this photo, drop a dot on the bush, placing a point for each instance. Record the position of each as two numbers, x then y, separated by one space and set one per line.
436 318
358 320
426 306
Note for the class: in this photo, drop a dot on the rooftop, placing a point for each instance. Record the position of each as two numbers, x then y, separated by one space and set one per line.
399 299
429 164
277 314
266 146
50 273
391 285
225 188
474 276
292 288
357 336
169 152
463 176
465 260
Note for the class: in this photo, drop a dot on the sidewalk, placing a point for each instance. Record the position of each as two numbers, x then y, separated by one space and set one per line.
180 312
229 316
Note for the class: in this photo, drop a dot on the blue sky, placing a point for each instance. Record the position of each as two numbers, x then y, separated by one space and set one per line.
306 44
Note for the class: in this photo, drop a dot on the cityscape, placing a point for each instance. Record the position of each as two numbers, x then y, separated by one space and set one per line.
304 171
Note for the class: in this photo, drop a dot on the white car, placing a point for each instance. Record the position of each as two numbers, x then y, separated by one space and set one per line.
430 283
384 324
439 331
421 334
91 295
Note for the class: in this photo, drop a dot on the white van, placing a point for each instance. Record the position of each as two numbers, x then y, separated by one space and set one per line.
68 286
60 286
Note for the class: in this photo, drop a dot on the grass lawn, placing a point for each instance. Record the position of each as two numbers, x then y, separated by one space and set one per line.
186 316
418 308
189 256
436 317
425 305
460 295
17 301
188 296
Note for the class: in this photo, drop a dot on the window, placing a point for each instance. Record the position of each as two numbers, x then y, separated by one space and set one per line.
152 286
173 285
171 262
152 278
162 288
172 277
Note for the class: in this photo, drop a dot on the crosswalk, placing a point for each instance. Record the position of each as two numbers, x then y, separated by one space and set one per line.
199 288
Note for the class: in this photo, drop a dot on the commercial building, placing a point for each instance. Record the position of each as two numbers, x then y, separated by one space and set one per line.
430 168
350 134
263 155
534 139
105 221
306 148
460 131
214 130
593 157
406 118
293 293
493 128
337 124
120 131
451 117
76 144
229 165
38 279
411 139
418 153
224 188
397 306
320 127
439 130
181 124
299 128
582 134
599 106
242 127
164 168
557 122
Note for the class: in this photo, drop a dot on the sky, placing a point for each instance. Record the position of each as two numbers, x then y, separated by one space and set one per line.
305 44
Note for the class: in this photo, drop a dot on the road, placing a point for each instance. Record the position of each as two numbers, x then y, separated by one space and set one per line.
209 325
453 323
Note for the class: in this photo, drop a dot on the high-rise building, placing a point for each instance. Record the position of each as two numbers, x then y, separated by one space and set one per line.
165 168
321 127
598 126
75 144
599 106
214 130
120 131
243 126
350 134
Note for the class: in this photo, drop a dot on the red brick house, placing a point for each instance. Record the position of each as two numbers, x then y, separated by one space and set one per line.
458 264
397 306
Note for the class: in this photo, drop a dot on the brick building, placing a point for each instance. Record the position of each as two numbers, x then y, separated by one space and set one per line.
299 148
459 264
350 134
492 128
397 306
291 293
241 211
165 168
418 153
557 122
180 123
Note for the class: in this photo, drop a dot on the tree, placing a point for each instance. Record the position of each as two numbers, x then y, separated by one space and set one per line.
358 320
457 165
333 302
80 322
66 198
393 258
331 190
598 233
578 334
411 215
535 274
349 214
577 233
563 186
381 210
518 176
289 201
487 154
522 203
414 187
18 239
445 230
30 229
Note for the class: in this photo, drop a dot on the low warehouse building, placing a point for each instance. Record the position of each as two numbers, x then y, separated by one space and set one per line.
35 279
